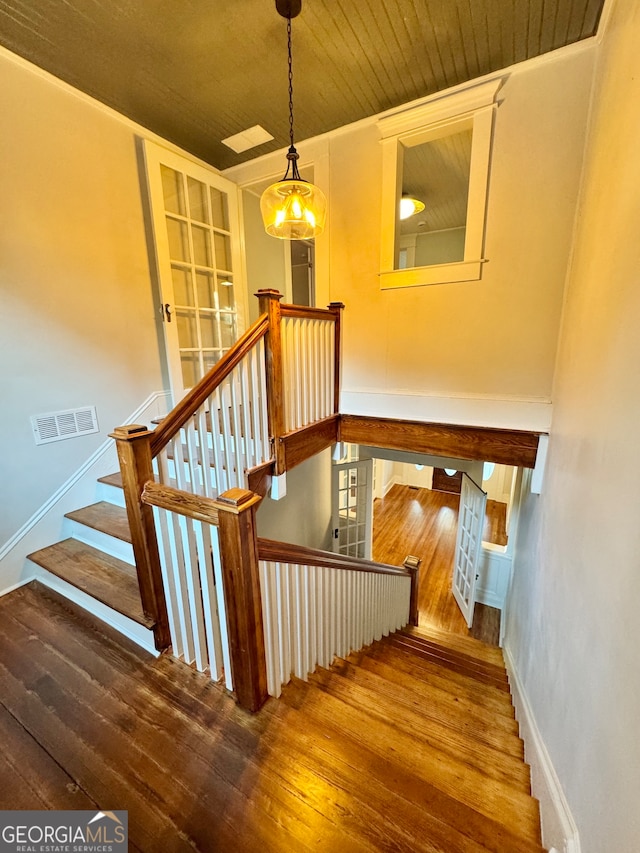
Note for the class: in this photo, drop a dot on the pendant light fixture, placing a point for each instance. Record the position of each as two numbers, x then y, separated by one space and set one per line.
292 209
409 206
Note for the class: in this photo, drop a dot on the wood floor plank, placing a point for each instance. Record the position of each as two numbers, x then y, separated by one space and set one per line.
197 773
224 787
423 522
30 777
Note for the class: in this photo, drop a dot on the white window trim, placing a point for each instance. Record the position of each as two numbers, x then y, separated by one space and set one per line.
472 108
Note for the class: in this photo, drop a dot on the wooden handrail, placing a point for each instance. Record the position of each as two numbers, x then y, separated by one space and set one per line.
307 312
283 552
184 503
178 417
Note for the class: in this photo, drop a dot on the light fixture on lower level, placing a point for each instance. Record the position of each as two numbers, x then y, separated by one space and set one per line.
409 206
292 209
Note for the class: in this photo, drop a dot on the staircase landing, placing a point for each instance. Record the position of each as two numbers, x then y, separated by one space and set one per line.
407 746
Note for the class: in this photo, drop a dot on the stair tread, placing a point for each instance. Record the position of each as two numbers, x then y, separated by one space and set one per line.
337 759
114 479
101 576
495 762
105 517
496 670
468 645
455 778
439 705
429 672
498 680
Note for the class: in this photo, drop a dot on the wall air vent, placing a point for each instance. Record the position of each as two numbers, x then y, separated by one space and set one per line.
58 425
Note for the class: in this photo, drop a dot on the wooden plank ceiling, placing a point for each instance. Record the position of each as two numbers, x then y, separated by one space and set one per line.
198 72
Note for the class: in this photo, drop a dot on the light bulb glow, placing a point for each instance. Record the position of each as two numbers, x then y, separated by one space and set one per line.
410 206
293 210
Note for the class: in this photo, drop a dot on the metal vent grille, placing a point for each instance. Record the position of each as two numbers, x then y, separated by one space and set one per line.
58 425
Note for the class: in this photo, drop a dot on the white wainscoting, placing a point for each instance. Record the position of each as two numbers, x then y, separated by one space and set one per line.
495 573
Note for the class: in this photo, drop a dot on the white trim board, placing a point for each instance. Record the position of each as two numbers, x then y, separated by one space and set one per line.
46 524
463 410
559 830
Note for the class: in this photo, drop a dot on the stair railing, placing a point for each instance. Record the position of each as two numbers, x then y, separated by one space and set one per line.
229 433
317 606
288 608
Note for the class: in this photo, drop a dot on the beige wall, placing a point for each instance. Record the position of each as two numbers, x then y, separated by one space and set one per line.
497 337
573 629
78 319
478 352
303 516
265 256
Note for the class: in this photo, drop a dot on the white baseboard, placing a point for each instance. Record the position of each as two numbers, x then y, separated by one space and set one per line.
559 830
140 635
46 525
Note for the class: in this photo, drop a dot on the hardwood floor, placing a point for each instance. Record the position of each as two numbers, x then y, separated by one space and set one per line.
424 523
415 750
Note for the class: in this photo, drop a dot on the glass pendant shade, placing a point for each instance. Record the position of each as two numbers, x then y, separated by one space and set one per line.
293 210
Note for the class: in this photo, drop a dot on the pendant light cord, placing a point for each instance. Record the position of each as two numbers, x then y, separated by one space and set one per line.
290 81
292 154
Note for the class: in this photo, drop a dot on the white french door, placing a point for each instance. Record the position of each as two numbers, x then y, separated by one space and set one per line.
352 502
468 546
196 230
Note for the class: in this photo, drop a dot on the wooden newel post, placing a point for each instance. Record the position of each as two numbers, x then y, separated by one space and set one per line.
413 564
269 304
337 308
134 452
239 558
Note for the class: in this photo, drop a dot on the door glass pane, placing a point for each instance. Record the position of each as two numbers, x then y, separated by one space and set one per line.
222 245
191 373
173 190
201 246
227 330
178 242
204 283
219 210
226 298
187 330
197 200
182 290
209 330
210 358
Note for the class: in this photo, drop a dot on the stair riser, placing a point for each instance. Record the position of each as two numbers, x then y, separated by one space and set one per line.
111 494
102 541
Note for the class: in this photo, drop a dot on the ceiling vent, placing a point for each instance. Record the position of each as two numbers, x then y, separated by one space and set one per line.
68 424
